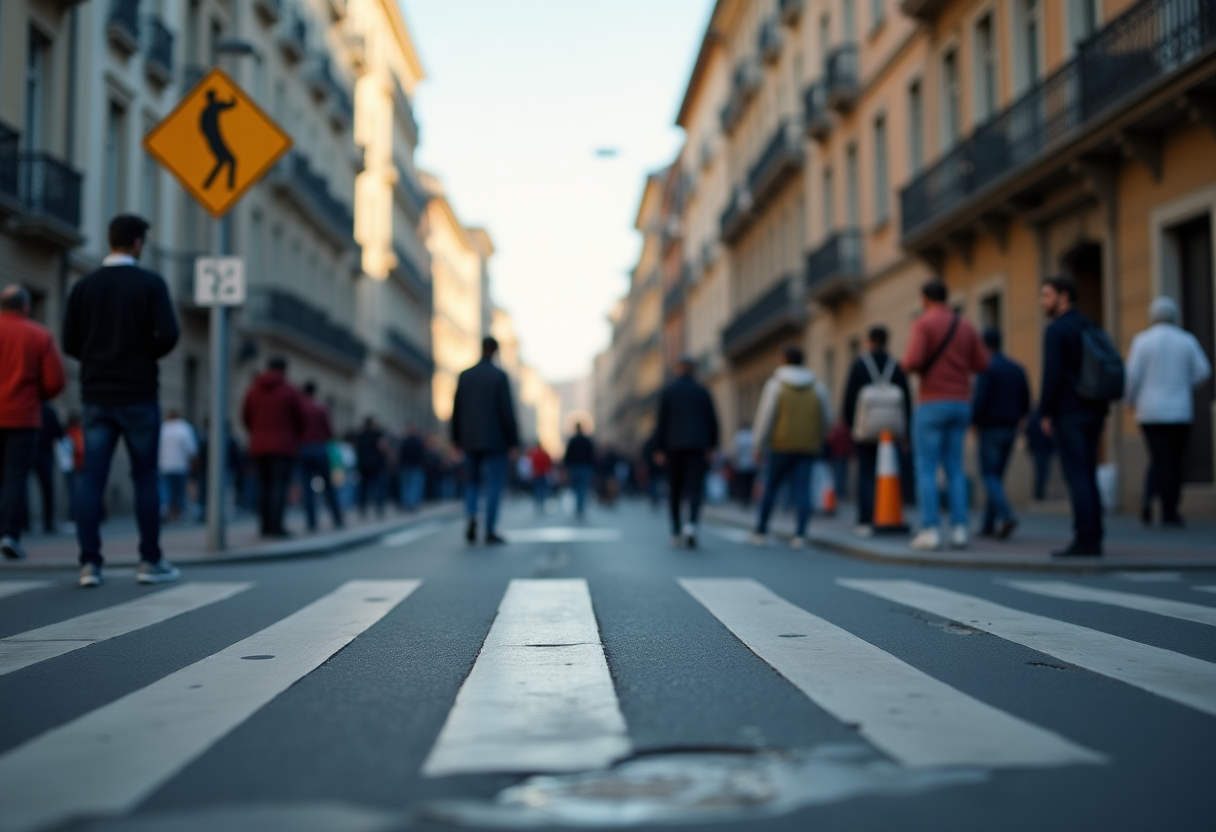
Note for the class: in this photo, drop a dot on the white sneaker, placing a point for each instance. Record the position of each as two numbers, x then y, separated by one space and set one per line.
797 542
11 549
90 575
757 539
862 530
958 537
690 535
928 540
161 572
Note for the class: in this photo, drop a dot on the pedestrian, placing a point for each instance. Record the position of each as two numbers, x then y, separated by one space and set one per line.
31 372
315 461
542 470
839 450
484 429
791 423
998 406
1164 367
178 450
580 468
412 465
876 398
685 434
654 474
49 436
371 457
1073 421
69 452
1041 448
743 461
119 323
944 350
273 414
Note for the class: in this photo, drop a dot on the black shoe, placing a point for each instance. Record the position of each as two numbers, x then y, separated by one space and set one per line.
493 539
11 548
1006 528
1076 551
470 533
1146 515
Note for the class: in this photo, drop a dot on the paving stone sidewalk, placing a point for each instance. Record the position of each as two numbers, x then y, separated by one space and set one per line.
186 543
1129 545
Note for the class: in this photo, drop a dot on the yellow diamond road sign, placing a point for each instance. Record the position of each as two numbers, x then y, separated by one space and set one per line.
217 142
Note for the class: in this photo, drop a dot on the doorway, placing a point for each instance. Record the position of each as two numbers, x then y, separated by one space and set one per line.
1196 298
1084 264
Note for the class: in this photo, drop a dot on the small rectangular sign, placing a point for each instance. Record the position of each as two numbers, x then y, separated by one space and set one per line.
219 281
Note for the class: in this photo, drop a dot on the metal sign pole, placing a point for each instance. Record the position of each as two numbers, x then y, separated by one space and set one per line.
217 444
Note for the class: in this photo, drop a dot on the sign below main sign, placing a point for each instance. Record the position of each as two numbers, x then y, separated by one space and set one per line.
219 281
217 142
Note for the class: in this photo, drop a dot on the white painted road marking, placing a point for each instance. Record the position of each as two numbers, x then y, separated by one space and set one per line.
407 536
540 697
1211 589
917 720
562 534
25 649
1144 603
1183 679
729 533
109 760
8 588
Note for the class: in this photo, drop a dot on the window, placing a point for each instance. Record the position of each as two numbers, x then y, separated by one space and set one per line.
990 311
881 184
916 128
37 61
852 186
829 203
985 69
1027 28
114 175
825 41
149 175
1083 19
951 121
878 13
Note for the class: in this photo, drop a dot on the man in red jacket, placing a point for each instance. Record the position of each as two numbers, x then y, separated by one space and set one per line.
274 416
30 373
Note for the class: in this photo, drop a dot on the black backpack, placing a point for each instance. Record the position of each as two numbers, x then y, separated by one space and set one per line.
1102 375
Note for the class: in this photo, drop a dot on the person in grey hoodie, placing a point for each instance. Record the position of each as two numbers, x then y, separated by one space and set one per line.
792 420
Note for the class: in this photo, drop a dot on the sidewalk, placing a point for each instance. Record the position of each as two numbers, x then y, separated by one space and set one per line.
186 543
1129 545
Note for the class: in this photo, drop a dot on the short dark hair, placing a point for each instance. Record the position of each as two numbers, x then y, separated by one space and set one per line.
793 354
489 345
15 298
1064 285
125 229
934 291
278 362
878 336
992 338
309 388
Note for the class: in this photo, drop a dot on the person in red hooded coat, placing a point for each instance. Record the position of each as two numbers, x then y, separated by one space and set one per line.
274 415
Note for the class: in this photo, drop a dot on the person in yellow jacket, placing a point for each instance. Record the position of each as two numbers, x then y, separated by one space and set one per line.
792 420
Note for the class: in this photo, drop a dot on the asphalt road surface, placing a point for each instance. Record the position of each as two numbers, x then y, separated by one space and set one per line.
592 676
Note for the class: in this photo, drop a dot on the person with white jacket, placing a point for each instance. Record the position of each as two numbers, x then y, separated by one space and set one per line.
792 420
1166 364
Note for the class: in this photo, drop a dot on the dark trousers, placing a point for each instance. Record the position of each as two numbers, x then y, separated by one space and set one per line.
744 484
371 489
1077 444
274 474
314 462
44 472
1167 452
797 469
996 444
685 477
17 448
1042 471
867 473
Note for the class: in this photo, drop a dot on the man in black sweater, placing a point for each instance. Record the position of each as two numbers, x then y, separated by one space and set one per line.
999 403
685 436
119 323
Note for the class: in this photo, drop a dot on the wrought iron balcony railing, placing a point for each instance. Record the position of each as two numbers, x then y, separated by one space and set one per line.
777 312
737 217
841 76
817 116
49 188
781 159
293 37
410 276
769 41
159 59
401 350
290 317
835 269
295 177
1152 40
122 24
10 141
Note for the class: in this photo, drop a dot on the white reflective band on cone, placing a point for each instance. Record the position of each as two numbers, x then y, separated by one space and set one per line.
888 462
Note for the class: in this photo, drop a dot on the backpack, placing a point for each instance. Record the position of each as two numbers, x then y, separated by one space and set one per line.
1102 375
880 404
798 427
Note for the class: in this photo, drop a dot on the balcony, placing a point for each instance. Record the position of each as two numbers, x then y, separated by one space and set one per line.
292 38
10 141
790 11
770 41
287 317
294 178
318 77
122 26
737 217
817 119
407 273
745 84
834 271
401 351
404 111
409 192
271 11
781 160
49 192
841 76
778 312
341 110
1091 101
158 62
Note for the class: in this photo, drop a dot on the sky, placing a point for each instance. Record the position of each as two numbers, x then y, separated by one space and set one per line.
518 97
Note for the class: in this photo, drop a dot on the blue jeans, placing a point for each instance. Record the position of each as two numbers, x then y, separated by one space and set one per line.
996 444
1076 441
796 468
314 462
938 430
413 484
488 472
540 492
580 483
139 427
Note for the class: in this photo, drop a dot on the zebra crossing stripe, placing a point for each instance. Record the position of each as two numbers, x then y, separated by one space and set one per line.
1183 679
1206 588
408 536
8 588
1143 603
109 760
540 697
917 720
25 649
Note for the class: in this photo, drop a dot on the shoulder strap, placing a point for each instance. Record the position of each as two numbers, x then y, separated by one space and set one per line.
888 372
871 368
941 348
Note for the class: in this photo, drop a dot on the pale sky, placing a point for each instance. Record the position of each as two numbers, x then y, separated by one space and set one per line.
519 95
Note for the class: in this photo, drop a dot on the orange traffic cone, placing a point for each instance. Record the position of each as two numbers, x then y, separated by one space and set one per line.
888 502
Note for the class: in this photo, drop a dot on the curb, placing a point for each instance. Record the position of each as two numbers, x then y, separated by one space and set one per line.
858 548
304 547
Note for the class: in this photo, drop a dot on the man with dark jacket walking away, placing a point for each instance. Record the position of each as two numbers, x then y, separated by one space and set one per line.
878 371
119 323
684 438
1075 423
371 458
998 406
411 463
484 429
580 468
314 457
274 416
